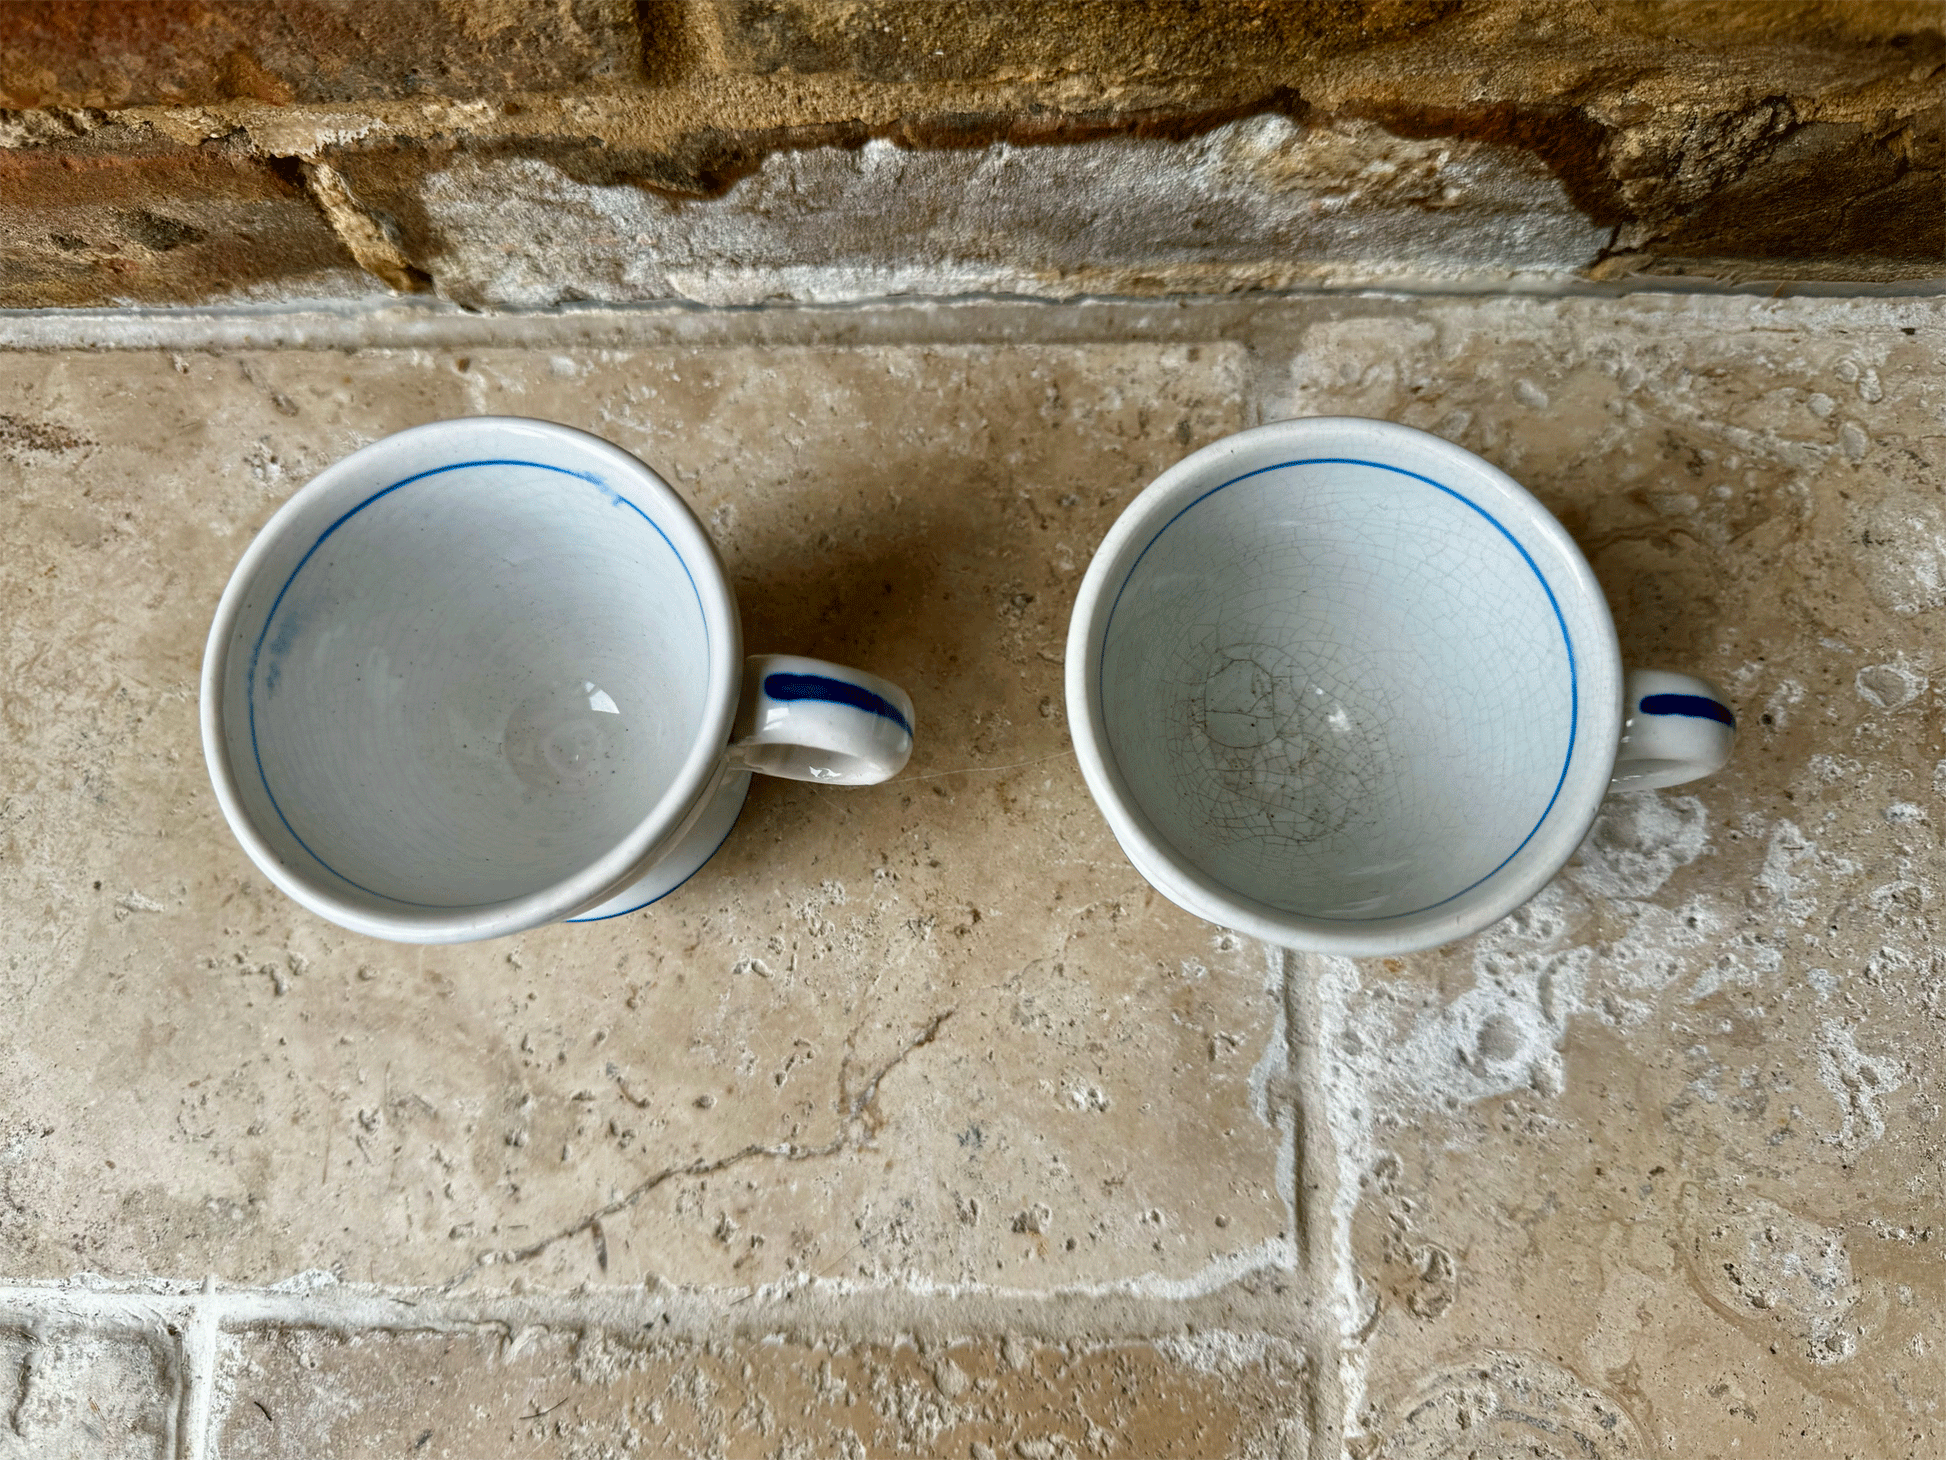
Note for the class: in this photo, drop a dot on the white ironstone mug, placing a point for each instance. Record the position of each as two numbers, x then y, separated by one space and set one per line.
1346 687
487 674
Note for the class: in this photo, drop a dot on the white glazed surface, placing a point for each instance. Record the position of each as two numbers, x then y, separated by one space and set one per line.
704 838
1667 749
446 701
1364 704
1338 690
463 725
786 725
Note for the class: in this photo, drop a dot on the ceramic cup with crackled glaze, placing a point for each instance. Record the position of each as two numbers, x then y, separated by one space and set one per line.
487 674
1346 687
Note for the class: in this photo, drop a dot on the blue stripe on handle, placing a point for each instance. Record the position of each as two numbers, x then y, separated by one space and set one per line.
833 691
1695 706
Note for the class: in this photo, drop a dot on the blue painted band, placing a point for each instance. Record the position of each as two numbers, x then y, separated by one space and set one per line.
256 650
833 691
1695 706
1567 642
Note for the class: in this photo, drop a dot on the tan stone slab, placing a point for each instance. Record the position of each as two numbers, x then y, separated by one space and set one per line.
295 1393
1654 1167
937 1031
76 1396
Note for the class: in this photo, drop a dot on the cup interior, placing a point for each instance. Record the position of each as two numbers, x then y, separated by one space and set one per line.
1347 690
468 668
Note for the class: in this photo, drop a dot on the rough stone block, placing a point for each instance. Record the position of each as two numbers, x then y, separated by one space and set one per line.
1263 199
856 150
295 1394
964 41
1519 52
76 1396
123 215
1889 202
1792 24
123 53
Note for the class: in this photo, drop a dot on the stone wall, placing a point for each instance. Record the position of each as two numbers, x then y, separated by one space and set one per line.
732 151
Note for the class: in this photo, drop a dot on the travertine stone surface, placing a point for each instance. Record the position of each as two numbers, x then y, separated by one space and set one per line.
291 1395
916 1030
922 1079
76 1396
107 53
1669 1139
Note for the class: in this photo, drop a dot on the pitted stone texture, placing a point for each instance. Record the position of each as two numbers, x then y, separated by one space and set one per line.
739 151
975 42
124 214
1260 202
114 53
1664 1138
1652 1167
77 1396
293 1394
936 1029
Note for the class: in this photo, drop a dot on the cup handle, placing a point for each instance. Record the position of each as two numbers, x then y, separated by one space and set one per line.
807 720
1675 728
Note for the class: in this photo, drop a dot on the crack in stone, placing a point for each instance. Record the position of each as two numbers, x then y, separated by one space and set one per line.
364 234
862 1103
856 1130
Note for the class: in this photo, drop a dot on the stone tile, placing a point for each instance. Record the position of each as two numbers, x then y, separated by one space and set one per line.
1656 1163
75 1396
1651 1168
937 1030
290 1394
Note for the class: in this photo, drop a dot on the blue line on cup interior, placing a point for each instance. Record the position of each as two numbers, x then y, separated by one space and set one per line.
1567 641
256 650
782 686
1697 707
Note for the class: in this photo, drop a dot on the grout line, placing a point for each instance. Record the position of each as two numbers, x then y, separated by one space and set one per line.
963 320
811 1307
198 1348
1323 1237
1252 1298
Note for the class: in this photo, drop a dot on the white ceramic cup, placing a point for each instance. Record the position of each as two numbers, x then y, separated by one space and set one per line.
487 674
1346 687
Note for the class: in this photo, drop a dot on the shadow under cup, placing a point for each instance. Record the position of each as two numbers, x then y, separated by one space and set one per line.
1350 692
466 686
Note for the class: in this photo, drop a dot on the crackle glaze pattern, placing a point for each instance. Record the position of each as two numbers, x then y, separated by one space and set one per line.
1298 665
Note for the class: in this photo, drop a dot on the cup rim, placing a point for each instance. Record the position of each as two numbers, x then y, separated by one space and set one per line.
1561 829
580 890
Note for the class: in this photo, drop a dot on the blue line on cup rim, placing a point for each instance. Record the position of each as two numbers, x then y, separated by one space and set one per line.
1567 641
250 683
